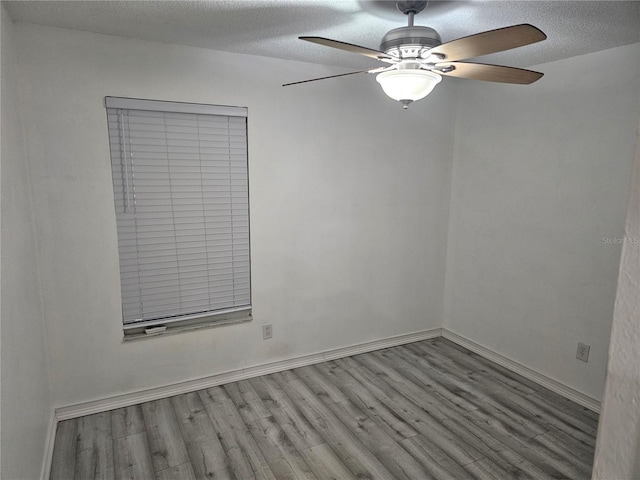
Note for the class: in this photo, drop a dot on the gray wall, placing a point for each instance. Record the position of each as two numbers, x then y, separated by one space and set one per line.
348 224
540 177
619 430
27 406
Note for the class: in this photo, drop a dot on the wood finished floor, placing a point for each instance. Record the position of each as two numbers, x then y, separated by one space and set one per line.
429 409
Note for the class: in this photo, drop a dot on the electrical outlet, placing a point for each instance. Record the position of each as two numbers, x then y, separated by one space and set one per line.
267 331
583 352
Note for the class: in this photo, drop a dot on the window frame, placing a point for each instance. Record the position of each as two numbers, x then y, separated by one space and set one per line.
186 321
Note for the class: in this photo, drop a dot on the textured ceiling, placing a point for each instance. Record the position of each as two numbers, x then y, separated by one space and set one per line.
271 27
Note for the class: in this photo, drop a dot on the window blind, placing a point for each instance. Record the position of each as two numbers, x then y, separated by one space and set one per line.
180 182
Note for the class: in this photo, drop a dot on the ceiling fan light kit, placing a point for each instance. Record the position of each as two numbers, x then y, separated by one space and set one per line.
408 85
416 58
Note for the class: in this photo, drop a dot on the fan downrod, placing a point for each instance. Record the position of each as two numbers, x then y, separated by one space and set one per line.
410 41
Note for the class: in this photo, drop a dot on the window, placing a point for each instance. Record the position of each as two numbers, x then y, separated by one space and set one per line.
180 180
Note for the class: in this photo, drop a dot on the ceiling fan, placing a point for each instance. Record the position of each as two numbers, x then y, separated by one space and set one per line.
416 58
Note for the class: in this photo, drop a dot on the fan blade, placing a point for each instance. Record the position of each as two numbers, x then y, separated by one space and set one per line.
348 47
489 42
324 78
489 73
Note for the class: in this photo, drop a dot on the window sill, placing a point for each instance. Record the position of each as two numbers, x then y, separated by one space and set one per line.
180 327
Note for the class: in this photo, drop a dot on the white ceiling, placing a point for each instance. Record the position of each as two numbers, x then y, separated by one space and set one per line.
271 27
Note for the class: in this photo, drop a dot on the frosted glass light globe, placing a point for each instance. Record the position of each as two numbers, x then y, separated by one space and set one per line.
408 85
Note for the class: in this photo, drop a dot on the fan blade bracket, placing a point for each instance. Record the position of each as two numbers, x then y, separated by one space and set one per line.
381 69
444 68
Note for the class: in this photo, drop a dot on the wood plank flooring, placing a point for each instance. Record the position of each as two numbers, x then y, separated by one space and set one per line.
426 410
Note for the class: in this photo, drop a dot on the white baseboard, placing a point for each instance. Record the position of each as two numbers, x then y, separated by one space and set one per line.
141 396
553 385
48 446
146 395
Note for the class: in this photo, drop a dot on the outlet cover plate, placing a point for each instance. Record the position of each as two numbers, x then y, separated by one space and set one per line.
267 331
583 352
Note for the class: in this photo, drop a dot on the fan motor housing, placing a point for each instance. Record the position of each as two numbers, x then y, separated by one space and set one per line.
396 41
